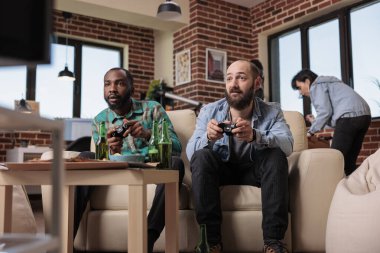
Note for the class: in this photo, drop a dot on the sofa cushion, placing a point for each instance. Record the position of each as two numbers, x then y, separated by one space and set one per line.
353 223
115 197
238 198
297 126
184 125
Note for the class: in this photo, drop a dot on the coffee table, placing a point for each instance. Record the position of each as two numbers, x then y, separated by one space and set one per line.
108 173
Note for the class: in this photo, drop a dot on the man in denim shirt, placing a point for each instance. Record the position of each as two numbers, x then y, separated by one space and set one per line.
337 106
118 89
253 154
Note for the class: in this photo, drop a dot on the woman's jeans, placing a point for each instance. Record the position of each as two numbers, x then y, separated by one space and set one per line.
348 138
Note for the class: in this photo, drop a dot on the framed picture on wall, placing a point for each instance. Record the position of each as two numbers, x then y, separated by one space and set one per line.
216 65
182 67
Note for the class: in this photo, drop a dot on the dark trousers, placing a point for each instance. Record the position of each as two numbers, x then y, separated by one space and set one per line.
269 171
156 217
348 138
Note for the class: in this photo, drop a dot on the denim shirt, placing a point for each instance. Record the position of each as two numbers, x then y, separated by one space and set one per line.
144 112
333 99
267 120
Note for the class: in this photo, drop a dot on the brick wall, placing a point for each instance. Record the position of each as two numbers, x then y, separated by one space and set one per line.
139 40
11 139
217 25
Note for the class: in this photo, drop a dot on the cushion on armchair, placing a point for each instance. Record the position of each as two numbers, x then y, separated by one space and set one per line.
353 223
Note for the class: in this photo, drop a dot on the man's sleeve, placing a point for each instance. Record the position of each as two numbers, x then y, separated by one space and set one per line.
278 135
199 138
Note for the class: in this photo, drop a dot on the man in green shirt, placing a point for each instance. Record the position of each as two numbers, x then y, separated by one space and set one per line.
118 89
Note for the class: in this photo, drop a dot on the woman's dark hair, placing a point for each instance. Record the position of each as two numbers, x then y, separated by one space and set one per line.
302 76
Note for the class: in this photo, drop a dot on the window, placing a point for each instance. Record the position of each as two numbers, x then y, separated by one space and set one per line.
324 45
287 49
324 48
55 96
366 54
13 85
62 99
93 72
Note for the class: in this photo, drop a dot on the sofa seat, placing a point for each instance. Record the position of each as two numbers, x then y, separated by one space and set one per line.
116 197
241 228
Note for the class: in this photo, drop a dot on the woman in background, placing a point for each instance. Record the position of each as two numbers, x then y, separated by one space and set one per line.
337 106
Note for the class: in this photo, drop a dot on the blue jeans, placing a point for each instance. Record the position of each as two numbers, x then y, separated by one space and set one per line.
269 171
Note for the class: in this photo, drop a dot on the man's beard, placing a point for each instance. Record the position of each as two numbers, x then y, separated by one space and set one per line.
240 103
123 100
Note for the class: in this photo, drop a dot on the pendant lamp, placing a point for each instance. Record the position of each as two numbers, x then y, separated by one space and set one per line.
66 74
169 10
23 106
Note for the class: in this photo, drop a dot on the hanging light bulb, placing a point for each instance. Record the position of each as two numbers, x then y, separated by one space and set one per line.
66 74
169 10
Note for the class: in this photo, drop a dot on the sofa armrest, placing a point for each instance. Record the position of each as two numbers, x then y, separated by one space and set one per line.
313 177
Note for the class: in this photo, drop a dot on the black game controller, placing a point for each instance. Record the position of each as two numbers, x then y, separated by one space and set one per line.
227 127
120 130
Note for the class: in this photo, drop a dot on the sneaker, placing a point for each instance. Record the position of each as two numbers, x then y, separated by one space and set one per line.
274 246
216 248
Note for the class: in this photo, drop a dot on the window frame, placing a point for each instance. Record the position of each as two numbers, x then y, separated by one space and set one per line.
343 17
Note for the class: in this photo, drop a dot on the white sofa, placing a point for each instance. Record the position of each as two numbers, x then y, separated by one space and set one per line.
313 176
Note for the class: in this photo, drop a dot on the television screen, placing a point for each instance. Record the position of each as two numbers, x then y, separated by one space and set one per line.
25 29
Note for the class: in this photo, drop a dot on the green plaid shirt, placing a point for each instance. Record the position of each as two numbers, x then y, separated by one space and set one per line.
144 112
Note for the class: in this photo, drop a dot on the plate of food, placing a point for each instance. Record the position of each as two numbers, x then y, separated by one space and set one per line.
136 158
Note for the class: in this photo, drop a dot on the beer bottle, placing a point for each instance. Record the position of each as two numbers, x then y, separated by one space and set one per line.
101 145
202 246
153 144
165 147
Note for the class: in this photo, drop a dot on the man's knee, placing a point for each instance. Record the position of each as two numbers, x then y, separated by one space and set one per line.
277 158
202 154
202 159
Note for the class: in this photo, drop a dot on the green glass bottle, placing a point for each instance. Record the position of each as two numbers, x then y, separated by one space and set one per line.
165 147
153 153
102 145
202 246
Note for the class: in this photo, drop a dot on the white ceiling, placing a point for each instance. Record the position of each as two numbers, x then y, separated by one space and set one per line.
135 12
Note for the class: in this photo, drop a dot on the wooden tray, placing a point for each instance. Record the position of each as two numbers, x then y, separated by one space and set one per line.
90 165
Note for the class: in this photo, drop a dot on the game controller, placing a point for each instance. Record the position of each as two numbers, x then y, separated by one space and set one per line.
227 127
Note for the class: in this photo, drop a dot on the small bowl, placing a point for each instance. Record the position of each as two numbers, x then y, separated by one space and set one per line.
128 158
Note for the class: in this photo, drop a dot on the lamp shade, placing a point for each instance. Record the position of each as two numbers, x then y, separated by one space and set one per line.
169 10
66 75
